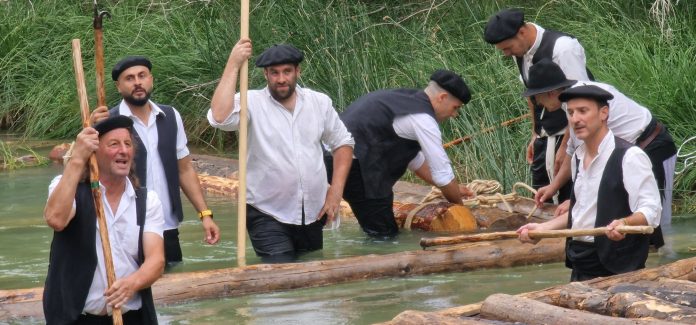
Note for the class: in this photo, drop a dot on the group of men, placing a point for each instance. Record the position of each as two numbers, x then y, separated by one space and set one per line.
304 157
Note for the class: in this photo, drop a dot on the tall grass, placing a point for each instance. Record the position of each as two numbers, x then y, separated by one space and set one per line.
351 47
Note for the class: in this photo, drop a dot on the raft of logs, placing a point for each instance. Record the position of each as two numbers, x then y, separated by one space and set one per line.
661 295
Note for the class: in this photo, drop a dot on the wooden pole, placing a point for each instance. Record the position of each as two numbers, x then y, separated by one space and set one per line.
94 175
486 130
99 53
534 234
243 120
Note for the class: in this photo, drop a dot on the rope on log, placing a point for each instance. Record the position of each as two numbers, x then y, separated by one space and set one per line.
479 188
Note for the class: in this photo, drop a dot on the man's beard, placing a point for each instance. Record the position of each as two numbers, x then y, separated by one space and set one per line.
137 101
282 96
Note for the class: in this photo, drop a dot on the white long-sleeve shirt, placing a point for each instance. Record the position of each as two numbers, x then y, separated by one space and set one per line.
424 129
567 53
638 180
285 158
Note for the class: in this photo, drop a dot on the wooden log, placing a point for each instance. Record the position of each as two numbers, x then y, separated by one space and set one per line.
528 311
578 295
674 270
412 317
185 287
640 305
680 292
439 216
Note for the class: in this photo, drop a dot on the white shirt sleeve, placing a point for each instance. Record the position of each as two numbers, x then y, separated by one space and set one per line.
181 140
52 186
335 133
570 57
643 194
416 162
231 123
427 132
154 217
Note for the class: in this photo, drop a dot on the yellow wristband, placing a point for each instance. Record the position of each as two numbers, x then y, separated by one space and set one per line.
205 213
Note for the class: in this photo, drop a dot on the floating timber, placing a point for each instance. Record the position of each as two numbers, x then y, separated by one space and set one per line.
186 287
661 295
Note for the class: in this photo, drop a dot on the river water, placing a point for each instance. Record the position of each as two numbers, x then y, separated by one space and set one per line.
25 241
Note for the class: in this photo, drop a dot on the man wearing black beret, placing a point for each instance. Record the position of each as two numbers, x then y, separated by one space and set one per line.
162 159
288 198
528 43
395 130
76 289
613 185
627 120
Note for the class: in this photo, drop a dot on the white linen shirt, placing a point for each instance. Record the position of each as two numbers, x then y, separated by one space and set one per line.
627 119
423 128
285 158
156 179
567 53
638 180
123 232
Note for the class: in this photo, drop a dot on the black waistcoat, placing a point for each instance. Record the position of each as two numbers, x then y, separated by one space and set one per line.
73 261
166 147
555 121
630 253
383 155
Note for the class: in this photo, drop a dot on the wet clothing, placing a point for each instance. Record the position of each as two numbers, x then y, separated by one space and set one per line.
286 174
549 127
156 163
76 278
617 183
386 144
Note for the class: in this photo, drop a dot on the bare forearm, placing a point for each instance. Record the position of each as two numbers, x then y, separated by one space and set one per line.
559 222
342 159
153 266
636 219
222 102
190 185
563 175
451 192
530 105
59 210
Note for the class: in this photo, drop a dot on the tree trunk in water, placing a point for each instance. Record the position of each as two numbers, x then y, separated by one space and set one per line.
528 311
411 317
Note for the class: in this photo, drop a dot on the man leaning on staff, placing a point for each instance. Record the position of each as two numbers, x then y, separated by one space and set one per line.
613 185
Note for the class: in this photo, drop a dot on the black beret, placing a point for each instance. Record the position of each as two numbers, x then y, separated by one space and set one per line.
114 122
503 25
453 83
279 54
127 62
586 91
545 76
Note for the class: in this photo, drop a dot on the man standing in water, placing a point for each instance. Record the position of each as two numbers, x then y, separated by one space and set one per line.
162 161
613 185
288 198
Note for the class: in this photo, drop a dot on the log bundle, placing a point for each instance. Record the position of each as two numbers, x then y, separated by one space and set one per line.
662 295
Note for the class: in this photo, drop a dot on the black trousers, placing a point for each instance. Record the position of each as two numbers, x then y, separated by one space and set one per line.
540 177
584 261
172 248
133 317
277 242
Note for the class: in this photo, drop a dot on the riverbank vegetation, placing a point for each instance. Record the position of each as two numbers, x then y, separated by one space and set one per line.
351 47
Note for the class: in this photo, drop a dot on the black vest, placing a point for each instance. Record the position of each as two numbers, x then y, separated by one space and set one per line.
383 155
555 121
73 260
630 253
166 147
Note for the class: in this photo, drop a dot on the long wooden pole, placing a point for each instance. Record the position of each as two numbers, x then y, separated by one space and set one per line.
94 175
243 87
486 130
534 234
99 53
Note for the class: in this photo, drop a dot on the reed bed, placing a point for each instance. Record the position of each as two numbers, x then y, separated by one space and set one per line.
351 47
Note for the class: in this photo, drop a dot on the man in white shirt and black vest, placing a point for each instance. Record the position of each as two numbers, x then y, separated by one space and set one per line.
76 289
628 120
613 186
528 43
162 160
288 197
395 130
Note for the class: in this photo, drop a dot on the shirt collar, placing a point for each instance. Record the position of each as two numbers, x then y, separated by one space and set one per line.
130 191
123 109
607 145
539 35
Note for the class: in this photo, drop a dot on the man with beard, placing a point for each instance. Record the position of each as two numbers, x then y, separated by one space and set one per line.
161 166
288 197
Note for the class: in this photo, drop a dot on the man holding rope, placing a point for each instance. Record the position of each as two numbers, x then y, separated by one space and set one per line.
613 185
162 160
528 43
395 130
76 289
288 198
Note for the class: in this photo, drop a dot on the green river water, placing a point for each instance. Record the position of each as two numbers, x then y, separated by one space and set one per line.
25 241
